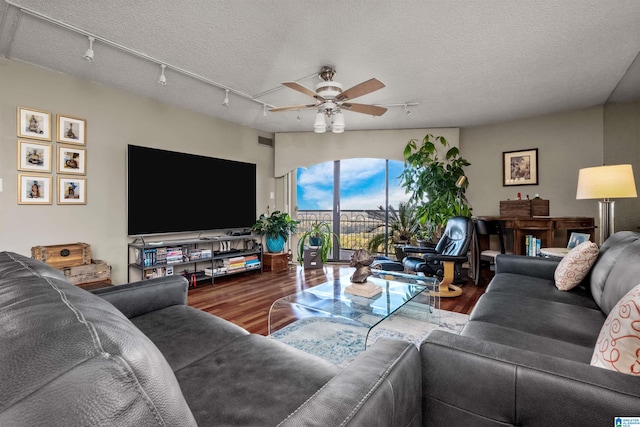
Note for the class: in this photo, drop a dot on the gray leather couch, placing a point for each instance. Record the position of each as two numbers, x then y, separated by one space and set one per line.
524 357
138 355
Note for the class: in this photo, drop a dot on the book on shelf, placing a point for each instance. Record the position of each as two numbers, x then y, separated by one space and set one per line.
532 245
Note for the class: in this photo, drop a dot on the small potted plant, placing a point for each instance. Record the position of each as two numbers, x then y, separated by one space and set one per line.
321 237
276 228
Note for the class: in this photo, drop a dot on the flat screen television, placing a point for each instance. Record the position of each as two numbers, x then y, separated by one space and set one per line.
170 192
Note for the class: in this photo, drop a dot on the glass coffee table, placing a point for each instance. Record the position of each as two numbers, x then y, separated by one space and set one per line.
329 301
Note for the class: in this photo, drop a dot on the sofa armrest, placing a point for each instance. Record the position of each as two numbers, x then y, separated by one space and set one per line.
380 388
137 298
526 388
543 268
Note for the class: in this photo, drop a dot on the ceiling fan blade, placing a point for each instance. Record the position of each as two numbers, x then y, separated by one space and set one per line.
300 88
361 89
294 107
374 110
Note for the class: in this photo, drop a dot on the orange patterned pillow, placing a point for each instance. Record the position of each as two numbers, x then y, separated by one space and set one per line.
575 265
618 345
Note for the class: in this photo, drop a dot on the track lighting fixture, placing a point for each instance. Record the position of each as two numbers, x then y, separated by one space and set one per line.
88 55
264 110
226 98
406 110
162 80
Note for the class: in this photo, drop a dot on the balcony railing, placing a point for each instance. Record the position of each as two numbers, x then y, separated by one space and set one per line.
354 227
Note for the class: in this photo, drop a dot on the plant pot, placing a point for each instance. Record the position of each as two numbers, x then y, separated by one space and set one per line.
315 241
275 244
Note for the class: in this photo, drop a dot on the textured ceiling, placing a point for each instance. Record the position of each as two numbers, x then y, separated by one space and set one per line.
464 62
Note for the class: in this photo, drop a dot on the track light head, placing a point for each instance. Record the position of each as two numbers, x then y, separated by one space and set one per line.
406 110
88 55
162 80
264 110
226 98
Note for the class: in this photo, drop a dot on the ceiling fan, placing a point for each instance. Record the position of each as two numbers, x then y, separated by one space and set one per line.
331 100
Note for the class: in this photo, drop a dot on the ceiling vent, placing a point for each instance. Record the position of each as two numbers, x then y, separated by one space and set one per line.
265 141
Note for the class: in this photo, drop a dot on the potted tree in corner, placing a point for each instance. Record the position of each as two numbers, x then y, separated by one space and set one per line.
437 187
276 228
320 237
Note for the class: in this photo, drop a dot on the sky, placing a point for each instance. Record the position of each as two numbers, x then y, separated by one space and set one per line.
362 185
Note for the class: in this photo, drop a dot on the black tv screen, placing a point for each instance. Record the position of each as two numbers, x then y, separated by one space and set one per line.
169 192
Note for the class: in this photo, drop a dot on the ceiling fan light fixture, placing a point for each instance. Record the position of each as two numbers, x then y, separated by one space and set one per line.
88 55
162 79
338 122
320 125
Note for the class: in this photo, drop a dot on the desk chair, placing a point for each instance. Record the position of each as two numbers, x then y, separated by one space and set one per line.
446 259
484 255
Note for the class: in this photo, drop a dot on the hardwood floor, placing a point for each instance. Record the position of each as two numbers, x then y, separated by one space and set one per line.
245 298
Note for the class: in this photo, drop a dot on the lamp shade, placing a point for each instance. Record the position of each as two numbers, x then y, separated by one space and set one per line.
320 125
606 182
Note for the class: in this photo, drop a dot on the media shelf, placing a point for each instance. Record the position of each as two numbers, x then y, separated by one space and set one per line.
198 259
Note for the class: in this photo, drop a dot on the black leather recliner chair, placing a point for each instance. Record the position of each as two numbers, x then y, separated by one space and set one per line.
446 259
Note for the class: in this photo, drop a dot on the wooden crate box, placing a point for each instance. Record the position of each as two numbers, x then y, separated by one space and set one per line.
60 256
96 271
524 208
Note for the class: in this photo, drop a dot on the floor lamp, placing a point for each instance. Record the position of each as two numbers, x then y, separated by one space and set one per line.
606 182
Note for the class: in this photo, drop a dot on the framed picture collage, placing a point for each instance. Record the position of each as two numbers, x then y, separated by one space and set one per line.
38 159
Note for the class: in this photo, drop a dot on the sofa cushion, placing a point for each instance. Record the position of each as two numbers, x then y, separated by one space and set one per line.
618 346
575 266
58 339
616 270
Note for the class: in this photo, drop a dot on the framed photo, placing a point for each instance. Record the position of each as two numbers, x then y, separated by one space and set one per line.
577 238
520 167
34 156
34 124
72 191
71 130
72 160
34 189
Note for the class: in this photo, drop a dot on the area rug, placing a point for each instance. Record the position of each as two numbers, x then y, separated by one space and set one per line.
340 341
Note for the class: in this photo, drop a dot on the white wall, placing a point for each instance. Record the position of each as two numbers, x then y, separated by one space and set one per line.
114 119
566 142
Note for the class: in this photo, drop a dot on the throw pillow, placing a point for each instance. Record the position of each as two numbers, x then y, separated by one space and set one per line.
618 345
575 265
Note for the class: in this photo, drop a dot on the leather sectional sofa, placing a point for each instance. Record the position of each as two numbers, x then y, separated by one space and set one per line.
138 355
524 356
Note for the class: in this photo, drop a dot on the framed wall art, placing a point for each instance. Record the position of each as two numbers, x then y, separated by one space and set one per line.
72 160
71 130
520 167
34 156
34 124
72 191
34 189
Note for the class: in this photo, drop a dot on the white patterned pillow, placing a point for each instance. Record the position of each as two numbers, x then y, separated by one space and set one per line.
618 345
575 265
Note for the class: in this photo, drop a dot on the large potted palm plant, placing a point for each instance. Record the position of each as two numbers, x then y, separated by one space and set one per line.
403 228
436 186
276 228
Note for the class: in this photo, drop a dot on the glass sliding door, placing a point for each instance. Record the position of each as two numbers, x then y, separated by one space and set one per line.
344 193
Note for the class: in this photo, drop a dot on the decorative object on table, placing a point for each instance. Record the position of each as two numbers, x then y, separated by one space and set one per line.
71 130
431 182
276 228
34 124
72 191
34 156
520 167
606 182
361 260
34 189
320 238
71 160
576 238
403 225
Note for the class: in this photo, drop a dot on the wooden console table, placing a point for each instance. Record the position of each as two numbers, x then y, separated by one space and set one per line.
543 227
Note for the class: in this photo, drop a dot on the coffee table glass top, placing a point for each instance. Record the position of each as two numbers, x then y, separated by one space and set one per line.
330 300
